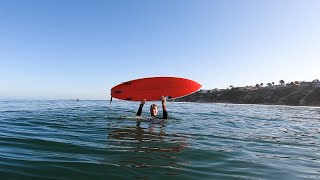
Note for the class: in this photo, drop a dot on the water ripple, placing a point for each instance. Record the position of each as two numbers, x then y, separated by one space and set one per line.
90 139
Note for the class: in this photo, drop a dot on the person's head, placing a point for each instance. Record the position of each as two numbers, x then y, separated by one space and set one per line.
153 110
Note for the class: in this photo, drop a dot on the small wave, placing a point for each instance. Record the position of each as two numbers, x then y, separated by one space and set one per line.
46 139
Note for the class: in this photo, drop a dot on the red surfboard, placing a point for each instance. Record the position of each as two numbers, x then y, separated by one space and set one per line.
152 88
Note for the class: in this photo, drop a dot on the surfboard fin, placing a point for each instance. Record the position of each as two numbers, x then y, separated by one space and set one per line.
110 98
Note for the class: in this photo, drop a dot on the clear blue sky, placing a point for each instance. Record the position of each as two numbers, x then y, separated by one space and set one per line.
57 49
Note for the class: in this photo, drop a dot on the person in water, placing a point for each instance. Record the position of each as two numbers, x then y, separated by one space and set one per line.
154 109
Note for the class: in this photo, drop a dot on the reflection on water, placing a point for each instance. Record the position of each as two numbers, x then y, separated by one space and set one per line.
148 147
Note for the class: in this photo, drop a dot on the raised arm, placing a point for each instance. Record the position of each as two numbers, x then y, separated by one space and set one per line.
164 108
140 107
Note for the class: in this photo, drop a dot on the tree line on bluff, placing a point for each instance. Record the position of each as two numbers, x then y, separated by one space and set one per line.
293 93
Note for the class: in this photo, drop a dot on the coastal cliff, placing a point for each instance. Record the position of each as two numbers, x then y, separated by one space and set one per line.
284 95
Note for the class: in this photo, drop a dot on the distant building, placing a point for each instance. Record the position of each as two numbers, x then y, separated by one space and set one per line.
303 83
245 88
297 83
316 83
253 88
204 91
215 90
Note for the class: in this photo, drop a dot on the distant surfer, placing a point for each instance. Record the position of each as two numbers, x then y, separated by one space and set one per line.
154 109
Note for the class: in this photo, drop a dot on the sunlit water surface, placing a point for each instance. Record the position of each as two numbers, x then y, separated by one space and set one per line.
91 140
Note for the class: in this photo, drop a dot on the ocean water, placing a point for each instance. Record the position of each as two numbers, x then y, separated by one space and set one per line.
91 140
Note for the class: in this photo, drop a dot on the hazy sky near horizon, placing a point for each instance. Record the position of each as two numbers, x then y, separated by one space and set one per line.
80 49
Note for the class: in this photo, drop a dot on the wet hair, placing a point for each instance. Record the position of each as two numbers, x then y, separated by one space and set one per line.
153 106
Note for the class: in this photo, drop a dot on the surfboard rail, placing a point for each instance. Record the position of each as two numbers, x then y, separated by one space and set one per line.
152 88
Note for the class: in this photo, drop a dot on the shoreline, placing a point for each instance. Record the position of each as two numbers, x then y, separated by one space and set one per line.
227 104
287 95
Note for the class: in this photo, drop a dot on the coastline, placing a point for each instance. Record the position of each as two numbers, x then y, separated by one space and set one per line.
285 95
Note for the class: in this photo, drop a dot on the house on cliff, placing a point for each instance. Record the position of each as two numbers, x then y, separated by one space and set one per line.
316 83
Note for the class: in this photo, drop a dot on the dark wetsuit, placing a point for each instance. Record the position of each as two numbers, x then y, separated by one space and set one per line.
165 113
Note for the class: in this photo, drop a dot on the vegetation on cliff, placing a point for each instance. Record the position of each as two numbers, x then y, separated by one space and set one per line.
280 95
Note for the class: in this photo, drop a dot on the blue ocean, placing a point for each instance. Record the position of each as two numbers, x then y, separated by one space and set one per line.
65 139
